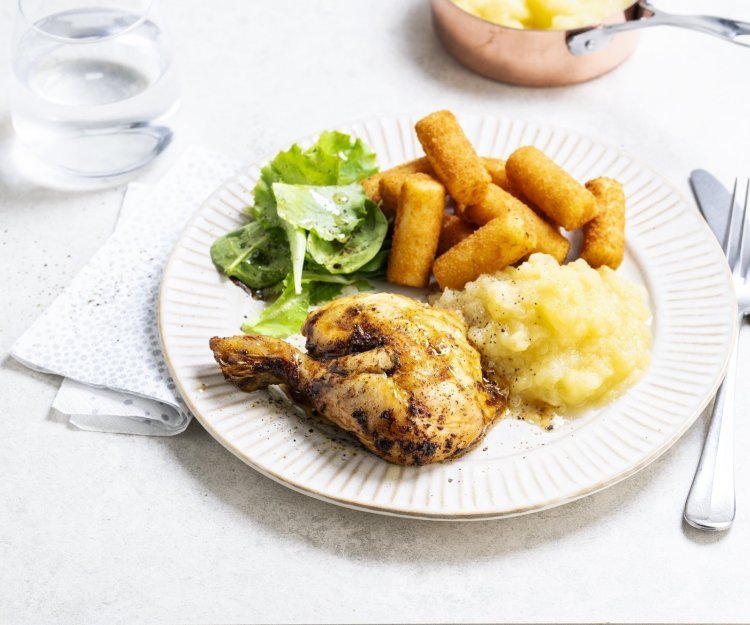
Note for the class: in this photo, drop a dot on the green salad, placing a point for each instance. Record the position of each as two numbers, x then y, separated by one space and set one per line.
312 232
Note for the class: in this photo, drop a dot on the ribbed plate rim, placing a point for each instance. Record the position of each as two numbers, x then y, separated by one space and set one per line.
180 375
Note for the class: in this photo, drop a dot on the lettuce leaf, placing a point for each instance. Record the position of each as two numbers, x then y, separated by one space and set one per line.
331 212
335 159
357 250
376 267
297 238
286 315
314 232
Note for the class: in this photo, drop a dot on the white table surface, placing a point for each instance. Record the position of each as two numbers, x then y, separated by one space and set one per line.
98 528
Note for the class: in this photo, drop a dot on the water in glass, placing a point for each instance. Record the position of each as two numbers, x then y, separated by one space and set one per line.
94 89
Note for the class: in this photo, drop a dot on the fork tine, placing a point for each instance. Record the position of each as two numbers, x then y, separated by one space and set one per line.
729 231
743 234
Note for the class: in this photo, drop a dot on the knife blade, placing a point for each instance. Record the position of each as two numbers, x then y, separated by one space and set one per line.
714 203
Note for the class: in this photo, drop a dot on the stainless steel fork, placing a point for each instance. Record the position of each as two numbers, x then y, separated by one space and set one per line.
710 503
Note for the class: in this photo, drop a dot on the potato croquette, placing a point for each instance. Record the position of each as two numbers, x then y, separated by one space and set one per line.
415 237
555 192
453 158
497 201
549 238
604 236
371 185
496 170
454 231
391 181
494 246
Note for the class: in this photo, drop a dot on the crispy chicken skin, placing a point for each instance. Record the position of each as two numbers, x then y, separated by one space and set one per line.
399 374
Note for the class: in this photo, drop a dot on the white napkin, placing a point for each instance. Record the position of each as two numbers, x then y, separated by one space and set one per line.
101 333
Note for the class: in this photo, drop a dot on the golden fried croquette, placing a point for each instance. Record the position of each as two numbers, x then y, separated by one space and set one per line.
371 185
453 158
555 192
391 180
454 230
417 231
497 201
604 236
496 169
549 238
499 243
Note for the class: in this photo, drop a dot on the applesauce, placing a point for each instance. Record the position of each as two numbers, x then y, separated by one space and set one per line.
565 337
544 14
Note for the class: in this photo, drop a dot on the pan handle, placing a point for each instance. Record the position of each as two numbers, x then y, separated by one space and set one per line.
595 39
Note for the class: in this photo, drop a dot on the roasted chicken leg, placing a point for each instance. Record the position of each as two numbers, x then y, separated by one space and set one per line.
398 374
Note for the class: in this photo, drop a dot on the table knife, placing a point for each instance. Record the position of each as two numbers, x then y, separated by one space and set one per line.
714 203
710 503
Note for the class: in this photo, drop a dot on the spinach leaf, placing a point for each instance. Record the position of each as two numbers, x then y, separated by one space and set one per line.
256 256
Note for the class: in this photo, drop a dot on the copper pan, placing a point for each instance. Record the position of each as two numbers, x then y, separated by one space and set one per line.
546 58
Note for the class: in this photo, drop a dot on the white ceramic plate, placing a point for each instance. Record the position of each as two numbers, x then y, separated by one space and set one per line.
519 468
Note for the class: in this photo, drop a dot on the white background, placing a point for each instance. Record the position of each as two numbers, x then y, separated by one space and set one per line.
98 528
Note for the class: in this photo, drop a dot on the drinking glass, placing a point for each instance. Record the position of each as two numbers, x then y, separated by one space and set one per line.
94 86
